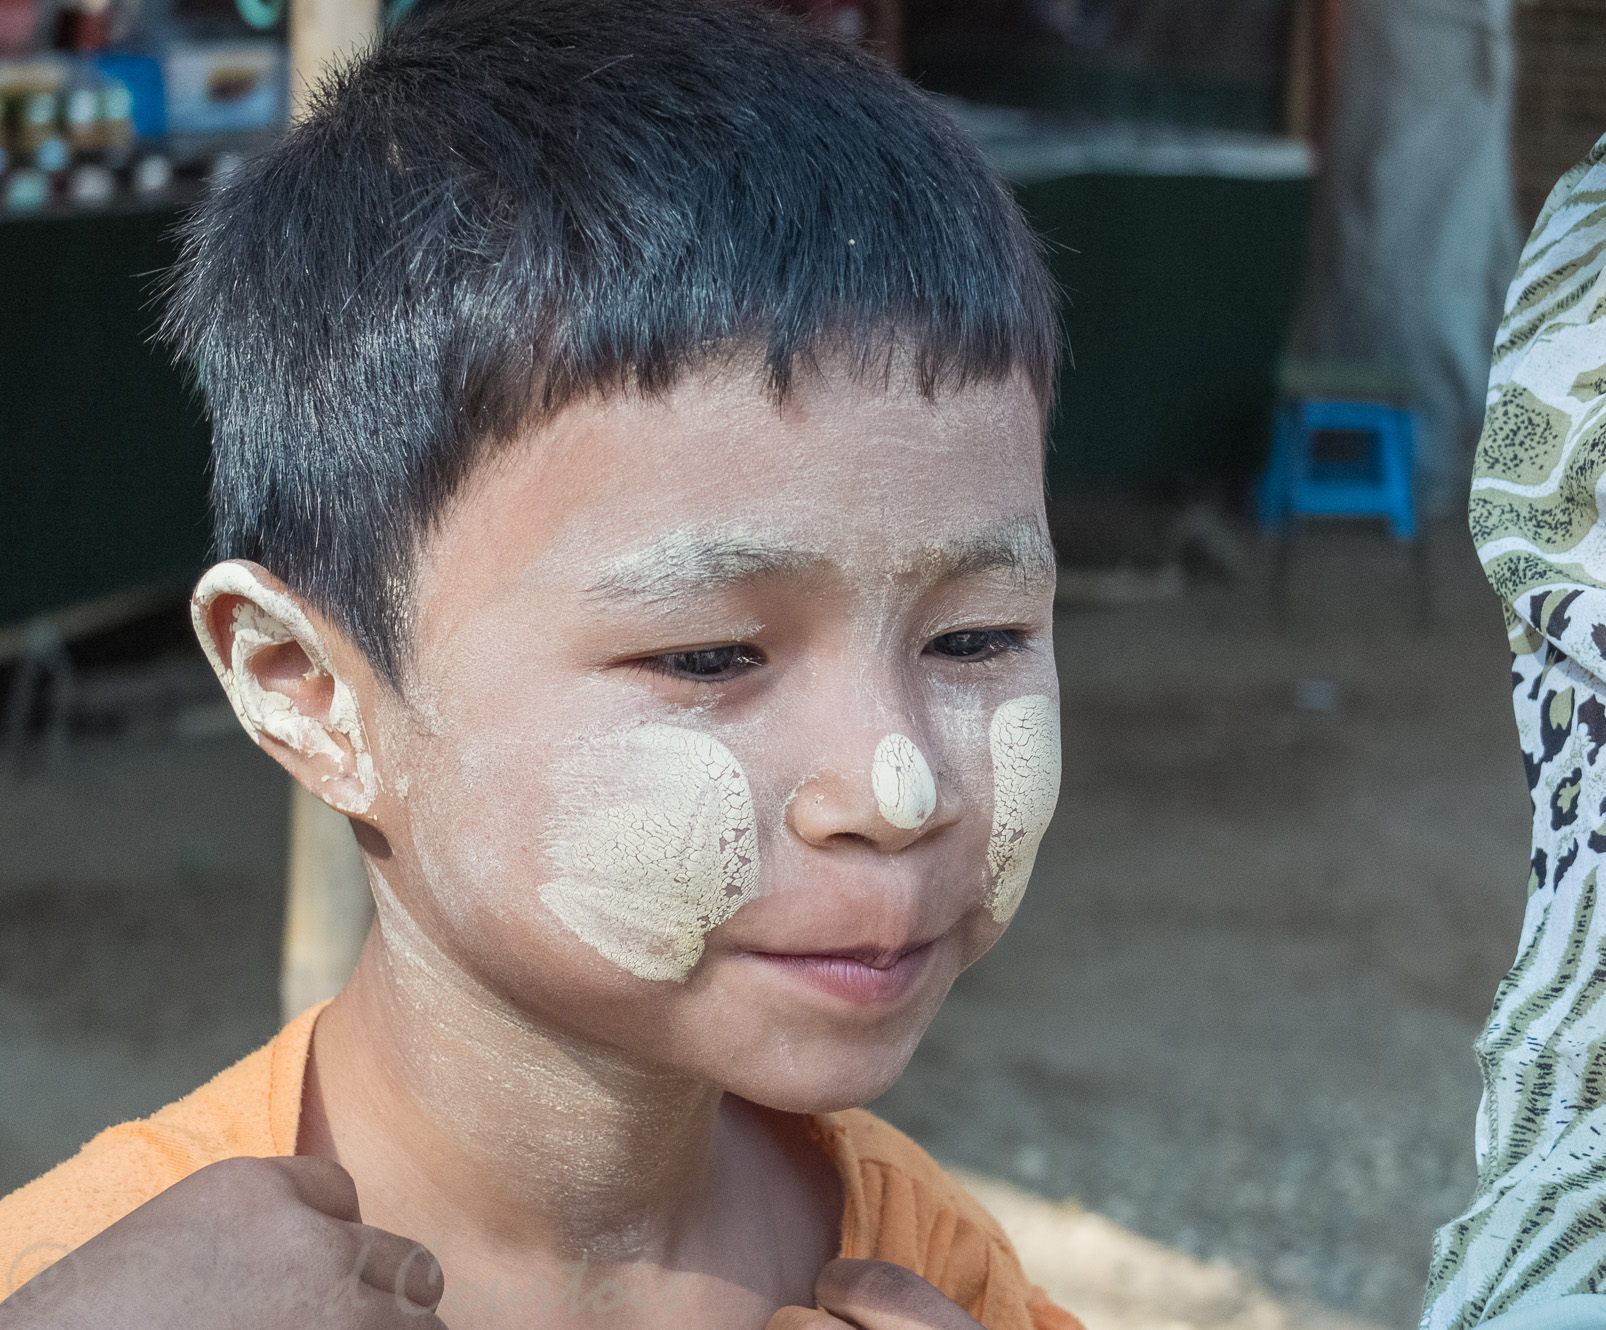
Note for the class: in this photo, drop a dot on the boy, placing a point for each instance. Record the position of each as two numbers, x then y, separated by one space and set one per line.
628 431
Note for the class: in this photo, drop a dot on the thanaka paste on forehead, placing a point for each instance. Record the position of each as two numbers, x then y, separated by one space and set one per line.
268 618
658 847
1025 741
692 559
905 792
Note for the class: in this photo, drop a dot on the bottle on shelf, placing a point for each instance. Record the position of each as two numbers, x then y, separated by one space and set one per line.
17 21
33 116
83 25
26 189
91 185
151 175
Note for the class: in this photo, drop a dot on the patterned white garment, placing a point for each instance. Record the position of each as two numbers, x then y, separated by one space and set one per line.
1536 1230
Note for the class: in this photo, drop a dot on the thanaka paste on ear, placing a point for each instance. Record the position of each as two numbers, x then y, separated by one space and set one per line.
1025 740
269 618
900 779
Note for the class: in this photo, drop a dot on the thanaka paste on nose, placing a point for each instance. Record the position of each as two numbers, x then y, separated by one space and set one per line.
905 793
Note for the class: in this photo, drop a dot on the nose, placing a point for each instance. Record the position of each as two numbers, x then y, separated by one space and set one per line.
885 797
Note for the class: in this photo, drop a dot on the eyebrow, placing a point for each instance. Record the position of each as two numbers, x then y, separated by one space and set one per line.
686 563
1019 546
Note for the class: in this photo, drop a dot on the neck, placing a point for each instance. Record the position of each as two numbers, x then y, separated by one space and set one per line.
456 1113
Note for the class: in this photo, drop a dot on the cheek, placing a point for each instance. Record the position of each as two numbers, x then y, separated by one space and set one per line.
654 843
472 801
643 839
1024 739
640 838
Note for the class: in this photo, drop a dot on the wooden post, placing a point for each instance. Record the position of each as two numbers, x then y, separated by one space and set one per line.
1299 83
327 909
1315 59
325 32
327 906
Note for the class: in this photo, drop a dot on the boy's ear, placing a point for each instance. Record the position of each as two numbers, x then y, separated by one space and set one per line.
271 653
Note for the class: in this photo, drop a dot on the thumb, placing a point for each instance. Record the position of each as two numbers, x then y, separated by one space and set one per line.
877 1295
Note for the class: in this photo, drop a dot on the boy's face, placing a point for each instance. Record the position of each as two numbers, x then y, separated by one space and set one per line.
729 733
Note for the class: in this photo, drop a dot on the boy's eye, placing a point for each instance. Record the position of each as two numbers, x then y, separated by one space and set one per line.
975 643
707 663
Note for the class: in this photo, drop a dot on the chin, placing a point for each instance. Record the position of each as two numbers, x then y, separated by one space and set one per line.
807 1035
826 1078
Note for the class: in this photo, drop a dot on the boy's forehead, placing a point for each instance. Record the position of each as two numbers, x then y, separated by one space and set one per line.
713 483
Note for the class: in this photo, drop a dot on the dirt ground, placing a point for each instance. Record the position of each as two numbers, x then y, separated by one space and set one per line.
1234 1012
1231 1022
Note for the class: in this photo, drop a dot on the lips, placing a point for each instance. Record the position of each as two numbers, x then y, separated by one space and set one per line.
861 978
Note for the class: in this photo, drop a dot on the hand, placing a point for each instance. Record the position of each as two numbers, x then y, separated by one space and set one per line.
873 1295
251 1244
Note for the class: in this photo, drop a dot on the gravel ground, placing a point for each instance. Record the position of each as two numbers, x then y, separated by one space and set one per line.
1233 1014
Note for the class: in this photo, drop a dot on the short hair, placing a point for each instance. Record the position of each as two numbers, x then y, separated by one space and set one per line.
508 205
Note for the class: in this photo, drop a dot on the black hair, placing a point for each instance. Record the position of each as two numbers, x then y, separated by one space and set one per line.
507 205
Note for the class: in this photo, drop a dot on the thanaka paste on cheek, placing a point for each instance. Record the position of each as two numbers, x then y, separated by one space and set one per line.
905 793
267 618
658 846
1025 740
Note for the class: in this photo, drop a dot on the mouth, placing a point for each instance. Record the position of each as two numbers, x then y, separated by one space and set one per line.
862 978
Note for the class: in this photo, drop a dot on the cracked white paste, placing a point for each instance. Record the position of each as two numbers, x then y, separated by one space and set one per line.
1025 740
663 849
905 792
268 618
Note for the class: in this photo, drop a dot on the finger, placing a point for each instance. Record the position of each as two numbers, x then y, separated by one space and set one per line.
876 1295
803 1318
321 1184
398 1265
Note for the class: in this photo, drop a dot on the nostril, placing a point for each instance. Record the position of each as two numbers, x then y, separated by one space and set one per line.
849 838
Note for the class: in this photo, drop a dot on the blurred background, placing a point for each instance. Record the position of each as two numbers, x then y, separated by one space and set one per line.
1219 1073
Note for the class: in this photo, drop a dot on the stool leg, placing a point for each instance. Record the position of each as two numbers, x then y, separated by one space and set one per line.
1398 458
44 671
1405 525
1281 568
1293 448
1423 568
1277 483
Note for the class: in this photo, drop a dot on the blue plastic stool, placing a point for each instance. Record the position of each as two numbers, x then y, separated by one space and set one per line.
1304 480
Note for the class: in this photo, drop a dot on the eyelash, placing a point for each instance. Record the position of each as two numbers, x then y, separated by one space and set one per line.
980 644
718 664
691 664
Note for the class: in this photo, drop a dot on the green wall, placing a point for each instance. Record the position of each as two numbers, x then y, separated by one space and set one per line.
1178 291
102 452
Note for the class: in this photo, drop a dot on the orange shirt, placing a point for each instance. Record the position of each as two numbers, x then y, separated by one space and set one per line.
898 1205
